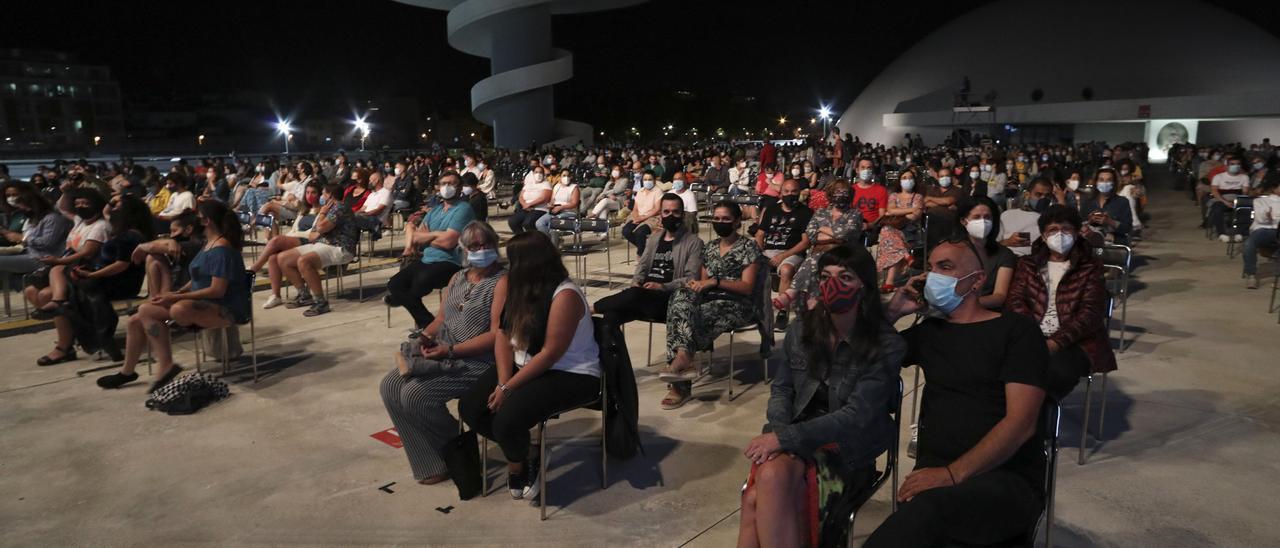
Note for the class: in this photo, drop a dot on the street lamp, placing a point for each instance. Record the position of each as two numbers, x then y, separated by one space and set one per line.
782 120
825 114
362 127
200 139
285 130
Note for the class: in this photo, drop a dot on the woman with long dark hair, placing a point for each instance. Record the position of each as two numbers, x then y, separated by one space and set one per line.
546 355
45 236
979 218
828 414
217 296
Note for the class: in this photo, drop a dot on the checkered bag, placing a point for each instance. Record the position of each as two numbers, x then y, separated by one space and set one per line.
188 394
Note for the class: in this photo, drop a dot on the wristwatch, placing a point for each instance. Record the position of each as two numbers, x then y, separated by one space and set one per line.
504 389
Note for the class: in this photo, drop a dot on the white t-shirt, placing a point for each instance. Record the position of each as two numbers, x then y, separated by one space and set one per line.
1266 212
690 201
533 191
380 197
1230 184
562 194
583 355
82 232
1018 220
1053 276
179 202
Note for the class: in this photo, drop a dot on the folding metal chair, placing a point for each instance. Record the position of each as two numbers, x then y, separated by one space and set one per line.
1118 262
201 353
1088 398
890 470
1241 219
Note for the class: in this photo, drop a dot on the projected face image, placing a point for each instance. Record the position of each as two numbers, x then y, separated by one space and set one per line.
1171 134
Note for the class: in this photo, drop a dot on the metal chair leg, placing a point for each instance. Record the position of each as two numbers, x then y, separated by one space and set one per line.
253 346
649 360
542 470
484 464
604 434
1102 407
730 378
226 360
1084 424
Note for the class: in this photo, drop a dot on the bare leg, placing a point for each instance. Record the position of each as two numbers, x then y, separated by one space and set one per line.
309 267
274 246
785 273
152 320
134 340
782 482
159 280
200 313
408 239
747 535
58 282
288 262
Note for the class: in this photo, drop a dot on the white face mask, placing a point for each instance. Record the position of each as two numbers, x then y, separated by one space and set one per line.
795 173
907 184
448 192
1073 184
12 200
566 180
864 175
944 181
1060 243
399 170
978 228
466 190
615 173
974 174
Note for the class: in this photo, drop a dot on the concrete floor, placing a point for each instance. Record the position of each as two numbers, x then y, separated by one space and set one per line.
1191 423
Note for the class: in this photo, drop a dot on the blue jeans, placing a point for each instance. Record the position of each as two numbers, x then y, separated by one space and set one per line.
254 199
1258 238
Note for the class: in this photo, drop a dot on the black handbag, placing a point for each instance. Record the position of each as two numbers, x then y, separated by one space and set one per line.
462 456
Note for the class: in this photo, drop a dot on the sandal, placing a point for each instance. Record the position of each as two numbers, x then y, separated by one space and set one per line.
667 374
675 398
49 313
68 354
432 480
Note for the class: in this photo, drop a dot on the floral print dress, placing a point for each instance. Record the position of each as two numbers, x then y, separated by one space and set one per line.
694 320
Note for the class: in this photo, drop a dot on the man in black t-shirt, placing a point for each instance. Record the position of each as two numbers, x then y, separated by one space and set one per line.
672 256
979 477
781 236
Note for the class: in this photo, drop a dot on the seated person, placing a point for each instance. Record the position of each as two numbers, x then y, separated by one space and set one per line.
534 200
45 236
217 296
828 409
644 214
109 276
293 200
718 301
48 294
613 195
12 217
332 242
1019 227
376 208
1224 188
672 257
446 359
781 236
902 214
180 200
979 222
979 474
437 236
1262 233
299 235
565 197
479 201
166 260
1061 270
546 355
829 228
1105 213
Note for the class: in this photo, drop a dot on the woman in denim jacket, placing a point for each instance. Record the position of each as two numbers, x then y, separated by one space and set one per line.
828 416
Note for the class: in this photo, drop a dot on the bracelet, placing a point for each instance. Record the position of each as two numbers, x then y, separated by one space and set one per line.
504 389
953 477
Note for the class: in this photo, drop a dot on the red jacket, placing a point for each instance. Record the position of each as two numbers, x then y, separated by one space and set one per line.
1081 301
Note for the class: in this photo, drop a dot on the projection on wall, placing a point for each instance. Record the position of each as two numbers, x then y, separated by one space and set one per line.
1163 134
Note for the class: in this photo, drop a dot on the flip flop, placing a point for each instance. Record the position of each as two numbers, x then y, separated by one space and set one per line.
669 403
669 375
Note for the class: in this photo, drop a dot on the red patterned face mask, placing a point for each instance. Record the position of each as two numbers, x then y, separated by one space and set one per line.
838 297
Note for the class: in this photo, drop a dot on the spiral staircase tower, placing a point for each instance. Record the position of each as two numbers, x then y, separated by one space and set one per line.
517 100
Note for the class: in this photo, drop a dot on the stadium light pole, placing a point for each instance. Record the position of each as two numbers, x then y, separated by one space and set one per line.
283 128
362 127
825 114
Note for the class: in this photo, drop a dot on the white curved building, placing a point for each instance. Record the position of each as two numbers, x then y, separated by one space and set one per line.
1082 70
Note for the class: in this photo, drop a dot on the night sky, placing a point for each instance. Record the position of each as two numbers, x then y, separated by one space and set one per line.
314 56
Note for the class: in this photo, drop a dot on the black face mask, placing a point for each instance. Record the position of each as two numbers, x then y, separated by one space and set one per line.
722 229
672 223
842 201
86 212
791 201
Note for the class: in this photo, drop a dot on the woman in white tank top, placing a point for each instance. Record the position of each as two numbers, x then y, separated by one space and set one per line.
546 355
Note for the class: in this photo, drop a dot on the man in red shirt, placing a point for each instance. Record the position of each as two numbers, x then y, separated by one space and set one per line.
869 197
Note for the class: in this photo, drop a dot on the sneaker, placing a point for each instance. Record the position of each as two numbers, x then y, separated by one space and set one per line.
1238 238
531 485
1224 238
914 443
516 483
780 323
318 308
303 299
1251 282
272 302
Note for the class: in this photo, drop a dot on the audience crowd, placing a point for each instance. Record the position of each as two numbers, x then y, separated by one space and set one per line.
992 248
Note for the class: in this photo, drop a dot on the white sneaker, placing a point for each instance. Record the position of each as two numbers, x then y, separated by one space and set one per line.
1224 238
1238 238
272 302
1251 282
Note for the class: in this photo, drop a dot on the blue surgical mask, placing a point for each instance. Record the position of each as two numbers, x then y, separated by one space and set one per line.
677 185
940 291
322 200
648 184
482 258
1105 187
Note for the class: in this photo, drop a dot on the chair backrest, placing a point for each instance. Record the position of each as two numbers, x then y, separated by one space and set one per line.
246 218
717 198
250 278
1242 218
565 224
307 222
265 221
600 226
747 199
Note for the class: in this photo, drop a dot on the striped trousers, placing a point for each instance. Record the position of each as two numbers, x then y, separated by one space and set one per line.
417 409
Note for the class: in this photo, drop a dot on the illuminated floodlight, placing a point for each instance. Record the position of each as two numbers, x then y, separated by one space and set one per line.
283 127
824 113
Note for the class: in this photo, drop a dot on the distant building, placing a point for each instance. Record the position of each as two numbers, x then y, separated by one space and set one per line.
50 101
